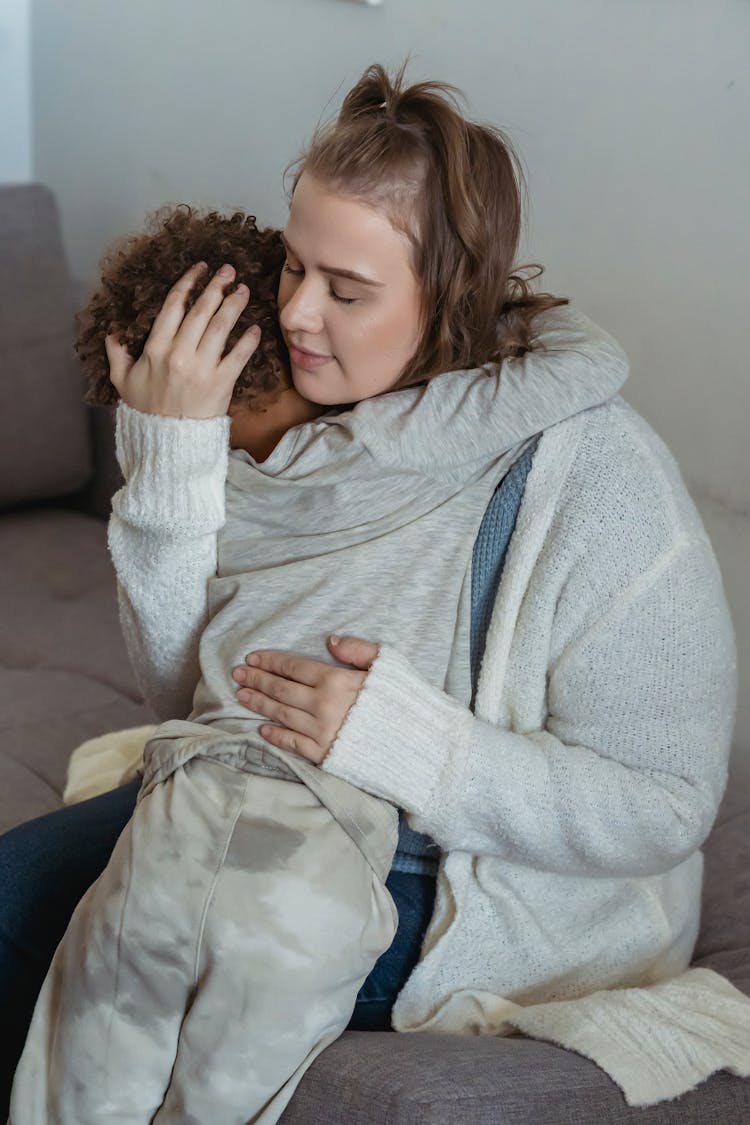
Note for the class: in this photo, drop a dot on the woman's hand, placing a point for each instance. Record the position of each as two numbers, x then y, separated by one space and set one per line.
181 373
307 698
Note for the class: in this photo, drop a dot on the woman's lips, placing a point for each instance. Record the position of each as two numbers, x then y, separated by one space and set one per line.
308 360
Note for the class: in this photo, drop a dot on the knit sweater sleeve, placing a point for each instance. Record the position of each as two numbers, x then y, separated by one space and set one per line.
626 774
162 538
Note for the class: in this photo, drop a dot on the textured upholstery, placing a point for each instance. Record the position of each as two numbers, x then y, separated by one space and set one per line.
45 450
65 672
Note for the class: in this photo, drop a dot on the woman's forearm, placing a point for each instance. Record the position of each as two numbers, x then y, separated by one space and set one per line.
162 537
626 775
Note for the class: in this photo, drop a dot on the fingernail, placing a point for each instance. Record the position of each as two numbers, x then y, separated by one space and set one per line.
334 639
242 290
253 659
239 675
226 271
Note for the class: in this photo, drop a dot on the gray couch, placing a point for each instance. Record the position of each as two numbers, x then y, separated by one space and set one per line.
66 677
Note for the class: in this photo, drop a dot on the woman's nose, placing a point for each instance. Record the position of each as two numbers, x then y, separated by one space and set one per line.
301 313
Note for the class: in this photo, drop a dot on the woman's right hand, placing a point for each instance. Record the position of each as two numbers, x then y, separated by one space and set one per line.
181 373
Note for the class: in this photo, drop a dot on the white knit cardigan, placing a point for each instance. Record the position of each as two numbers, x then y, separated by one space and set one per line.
573 803
571 806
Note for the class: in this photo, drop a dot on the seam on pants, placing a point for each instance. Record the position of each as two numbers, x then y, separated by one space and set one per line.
119 958
350 825
219 866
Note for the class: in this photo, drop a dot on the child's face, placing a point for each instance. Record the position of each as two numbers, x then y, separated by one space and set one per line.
348 339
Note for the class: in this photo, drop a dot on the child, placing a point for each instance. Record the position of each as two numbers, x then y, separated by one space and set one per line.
223 947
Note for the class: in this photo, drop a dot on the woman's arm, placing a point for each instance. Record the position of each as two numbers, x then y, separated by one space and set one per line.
627 774
163 541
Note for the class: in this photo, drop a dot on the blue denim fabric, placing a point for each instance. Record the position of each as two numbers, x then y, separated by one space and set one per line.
46 866
414 896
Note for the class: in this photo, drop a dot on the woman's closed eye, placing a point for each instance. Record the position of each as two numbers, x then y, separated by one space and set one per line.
343 300
336 296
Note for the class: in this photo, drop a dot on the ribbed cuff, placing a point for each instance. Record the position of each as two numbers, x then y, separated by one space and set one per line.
149 439
656 1042
399 734
175 469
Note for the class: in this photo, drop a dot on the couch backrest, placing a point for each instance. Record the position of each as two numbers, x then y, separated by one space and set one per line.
45 444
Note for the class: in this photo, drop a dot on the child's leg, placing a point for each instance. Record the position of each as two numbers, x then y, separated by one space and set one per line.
46 867
104 1033
297 920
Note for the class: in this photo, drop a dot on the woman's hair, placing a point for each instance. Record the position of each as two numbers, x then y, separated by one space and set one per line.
453 187
138 271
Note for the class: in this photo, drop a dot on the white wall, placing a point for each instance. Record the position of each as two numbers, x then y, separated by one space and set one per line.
15 93
633 119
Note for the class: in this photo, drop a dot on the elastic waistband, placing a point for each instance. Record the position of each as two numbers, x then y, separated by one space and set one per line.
371 822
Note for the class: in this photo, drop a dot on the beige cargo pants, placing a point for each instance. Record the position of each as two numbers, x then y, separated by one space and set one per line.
222 948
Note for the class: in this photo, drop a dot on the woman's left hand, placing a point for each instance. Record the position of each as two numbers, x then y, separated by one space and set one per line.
307 698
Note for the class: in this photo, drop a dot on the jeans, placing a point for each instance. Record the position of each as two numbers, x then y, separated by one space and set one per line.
47 864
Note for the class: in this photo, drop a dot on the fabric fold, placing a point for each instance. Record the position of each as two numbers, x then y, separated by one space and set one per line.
658 1042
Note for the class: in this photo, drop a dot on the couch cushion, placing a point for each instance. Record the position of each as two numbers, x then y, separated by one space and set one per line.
45 448
724 940
66 673
383 1078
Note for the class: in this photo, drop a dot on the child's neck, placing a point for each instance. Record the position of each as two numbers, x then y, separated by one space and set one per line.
259 434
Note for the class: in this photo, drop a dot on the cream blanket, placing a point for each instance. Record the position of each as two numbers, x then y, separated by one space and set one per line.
103 763
693 1025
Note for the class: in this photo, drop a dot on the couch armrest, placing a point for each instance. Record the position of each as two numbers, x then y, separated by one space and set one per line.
96 498
45 450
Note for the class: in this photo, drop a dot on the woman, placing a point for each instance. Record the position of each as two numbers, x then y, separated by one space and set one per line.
571 803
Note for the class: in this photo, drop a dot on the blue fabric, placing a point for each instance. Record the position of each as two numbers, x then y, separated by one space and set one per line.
47 864
416 851
490 551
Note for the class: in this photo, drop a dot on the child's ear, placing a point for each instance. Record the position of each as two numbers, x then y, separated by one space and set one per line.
120 361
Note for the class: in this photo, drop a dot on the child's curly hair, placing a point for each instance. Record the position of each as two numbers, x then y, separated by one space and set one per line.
138 270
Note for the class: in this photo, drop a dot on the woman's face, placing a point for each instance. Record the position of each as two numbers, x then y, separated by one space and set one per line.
348 300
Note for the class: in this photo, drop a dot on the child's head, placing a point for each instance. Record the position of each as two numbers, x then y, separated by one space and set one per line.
138 271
